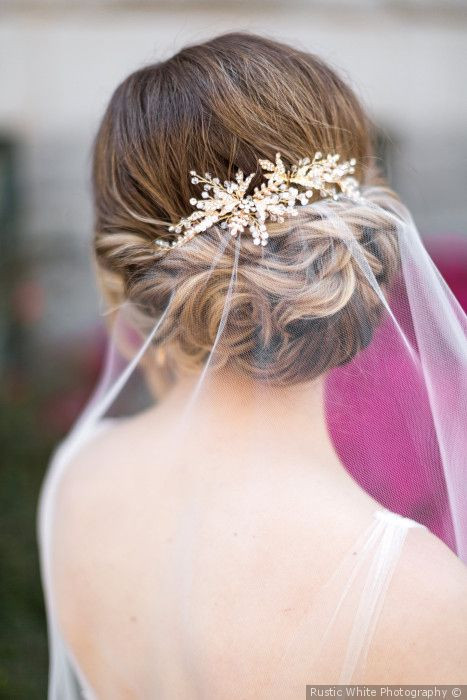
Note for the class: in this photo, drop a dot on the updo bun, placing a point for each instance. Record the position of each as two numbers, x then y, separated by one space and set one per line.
297 308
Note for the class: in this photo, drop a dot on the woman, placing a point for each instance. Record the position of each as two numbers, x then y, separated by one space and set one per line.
237 537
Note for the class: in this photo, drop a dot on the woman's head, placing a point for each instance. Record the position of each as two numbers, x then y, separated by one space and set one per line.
298 309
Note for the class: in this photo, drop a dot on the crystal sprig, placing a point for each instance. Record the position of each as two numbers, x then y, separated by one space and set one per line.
228 205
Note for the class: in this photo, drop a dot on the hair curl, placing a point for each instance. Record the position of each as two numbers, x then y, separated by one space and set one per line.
303 305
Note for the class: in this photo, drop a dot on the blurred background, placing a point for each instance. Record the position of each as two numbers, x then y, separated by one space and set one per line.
59 62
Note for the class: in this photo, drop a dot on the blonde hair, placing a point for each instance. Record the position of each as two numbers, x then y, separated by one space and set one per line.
219 107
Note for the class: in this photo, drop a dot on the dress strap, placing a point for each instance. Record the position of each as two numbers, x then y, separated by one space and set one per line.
389 516
335 633
386 543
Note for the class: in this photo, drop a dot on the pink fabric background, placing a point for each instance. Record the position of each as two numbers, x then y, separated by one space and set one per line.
385 454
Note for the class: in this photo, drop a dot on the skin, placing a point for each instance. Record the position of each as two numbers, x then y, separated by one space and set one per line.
202 549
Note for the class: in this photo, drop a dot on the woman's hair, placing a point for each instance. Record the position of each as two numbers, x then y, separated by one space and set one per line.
298 308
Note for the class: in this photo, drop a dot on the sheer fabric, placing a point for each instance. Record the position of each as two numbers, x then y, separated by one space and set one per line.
395 410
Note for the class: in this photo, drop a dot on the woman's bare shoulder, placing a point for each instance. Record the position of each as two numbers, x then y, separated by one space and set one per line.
421 636
107 471
104 456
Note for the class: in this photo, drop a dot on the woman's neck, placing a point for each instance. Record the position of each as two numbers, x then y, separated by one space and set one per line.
282 423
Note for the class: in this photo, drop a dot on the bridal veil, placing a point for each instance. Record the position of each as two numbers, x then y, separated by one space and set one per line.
341 290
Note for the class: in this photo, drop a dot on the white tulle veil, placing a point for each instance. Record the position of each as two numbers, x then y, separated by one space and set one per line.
396 409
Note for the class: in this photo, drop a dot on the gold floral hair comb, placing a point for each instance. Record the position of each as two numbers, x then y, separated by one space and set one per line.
229 206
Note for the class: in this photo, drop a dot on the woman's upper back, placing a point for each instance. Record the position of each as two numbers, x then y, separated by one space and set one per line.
190 578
